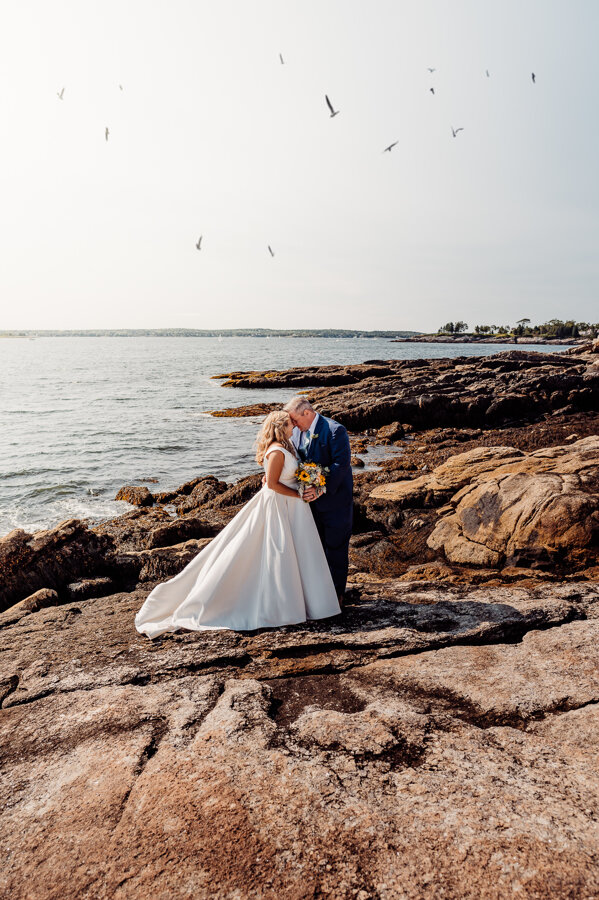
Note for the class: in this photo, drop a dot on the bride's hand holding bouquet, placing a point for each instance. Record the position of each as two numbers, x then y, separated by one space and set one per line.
312 480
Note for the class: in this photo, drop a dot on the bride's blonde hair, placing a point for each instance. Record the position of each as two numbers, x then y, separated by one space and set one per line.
273 429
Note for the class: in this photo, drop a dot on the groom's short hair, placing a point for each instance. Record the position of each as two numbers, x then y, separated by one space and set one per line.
298 405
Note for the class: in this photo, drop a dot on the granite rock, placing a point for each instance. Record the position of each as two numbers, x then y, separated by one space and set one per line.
430 743
540 509
512 386
136 495
50 559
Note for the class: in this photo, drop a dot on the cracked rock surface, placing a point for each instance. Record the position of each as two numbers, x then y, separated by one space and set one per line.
433 741
506 507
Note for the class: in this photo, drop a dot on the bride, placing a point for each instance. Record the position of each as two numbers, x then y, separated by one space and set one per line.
265 568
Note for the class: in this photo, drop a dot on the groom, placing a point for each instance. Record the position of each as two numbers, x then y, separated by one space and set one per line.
325 442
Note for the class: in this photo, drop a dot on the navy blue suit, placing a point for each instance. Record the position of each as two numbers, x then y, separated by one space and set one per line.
333 511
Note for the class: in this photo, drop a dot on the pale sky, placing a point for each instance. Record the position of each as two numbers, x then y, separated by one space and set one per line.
212 135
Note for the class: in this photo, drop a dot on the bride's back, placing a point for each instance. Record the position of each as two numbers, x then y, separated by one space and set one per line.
287 475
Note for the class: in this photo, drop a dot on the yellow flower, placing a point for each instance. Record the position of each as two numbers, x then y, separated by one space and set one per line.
303 476
321 481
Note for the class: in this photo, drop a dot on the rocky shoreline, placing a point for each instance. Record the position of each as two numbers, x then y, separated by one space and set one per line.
436 740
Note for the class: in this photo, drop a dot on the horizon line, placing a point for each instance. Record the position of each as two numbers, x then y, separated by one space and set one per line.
223 330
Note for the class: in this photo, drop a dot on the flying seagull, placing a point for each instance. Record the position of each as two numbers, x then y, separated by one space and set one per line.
199 243
432 70
270 250
120 87
432 90
106 133
59 94
390 147
454 131
334 112
487 73
534 77
281 58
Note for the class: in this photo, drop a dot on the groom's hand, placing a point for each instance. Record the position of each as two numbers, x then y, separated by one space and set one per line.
310 494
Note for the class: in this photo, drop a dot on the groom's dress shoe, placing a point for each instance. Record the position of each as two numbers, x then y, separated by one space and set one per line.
341 599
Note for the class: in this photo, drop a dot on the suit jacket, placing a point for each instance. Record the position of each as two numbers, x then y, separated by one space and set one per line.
329 446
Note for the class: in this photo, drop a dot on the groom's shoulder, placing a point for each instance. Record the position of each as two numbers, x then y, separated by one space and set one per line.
333 424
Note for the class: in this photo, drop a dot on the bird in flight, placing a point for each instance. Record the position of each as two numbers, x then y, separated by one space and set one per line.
106 133
199 243
59 94
334 112
454 131
487 73
390 147
432 90
534 77
432 70
120 87
270 250
281 58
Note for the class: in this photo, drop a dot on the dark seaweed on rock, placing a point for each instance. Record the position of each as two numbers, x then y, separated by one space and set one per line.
485 392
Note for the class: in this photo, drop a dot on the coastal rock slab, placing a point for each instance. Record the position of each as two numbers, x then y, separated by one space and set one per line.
136 495
90 587
165 562
94 642
540 509
208 489
49 559
288 767
491 685
179 530
440 485
374 552
392 432
513 386
41 598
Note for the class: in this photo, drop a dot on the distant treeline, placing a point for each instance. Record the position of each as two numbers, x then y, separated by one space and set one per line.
554 328
221 332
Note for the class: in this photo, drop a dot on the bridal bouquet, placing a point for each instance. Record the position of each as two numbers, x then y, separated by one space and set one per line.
310 474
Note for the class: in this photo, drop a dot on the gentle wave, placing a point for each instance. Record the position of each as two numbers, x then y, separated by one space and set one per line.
23 516
56 490
31 412
171 448
31 473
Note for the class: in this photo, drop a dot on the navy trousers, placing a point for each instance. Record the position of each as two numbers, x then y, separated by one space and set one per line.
333 511
335 542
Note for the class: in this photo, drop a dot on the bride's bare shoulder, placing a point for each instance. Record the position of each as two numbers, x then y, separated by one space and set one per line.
277 446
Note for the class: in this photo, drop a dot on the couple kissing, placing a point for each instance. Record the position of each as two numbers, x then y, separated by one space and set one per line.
283 559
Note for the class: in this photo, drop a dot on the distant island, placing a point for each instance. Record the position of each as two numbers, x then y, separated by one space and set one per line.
215 332
553 331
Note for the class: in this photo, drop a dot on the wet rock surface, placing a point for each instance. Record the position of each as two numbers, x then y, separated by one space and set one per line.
485 392
49 559
137 495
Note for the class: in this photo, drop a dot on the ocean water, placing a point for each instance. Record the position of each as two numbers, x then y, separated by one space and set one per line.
82 416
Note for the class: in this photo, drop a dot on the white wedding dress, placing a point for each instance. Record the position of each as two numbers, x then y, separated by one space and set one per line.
265 568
